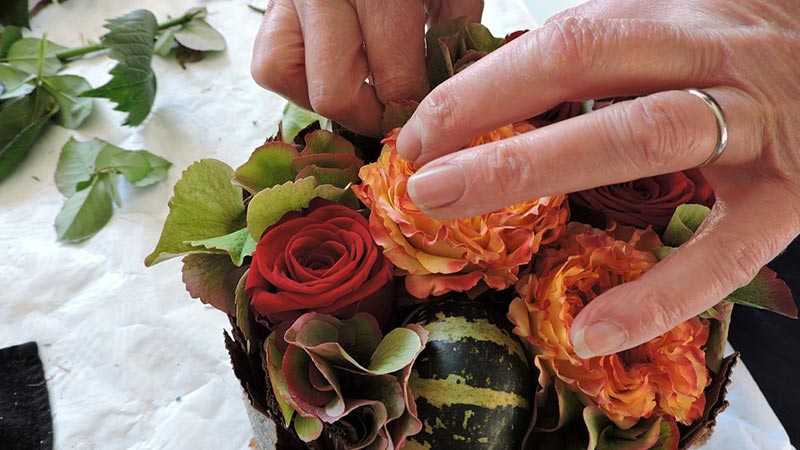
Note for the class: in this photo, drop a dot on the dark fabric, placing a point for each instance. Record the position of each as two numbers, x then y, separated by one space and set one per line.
25 420
770 347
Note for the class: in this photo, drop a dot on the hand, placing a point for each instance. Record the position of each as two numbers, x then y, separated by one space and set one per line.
318 53
744 54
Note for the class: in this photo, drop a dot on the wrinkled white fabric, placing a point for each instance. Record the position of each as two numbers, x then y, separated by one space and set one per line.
132 362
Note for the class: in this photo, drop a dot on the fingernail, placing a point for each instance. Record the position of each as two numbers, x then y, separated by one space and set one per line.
600 338
409 143
437 186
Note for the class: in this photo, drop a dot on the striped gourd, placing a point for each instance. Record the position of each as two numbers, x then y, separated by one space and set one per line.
472 383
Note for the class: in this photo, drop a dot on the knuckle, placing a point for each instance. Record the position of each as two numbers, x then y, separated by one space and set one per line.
271 71
655 129
503 173
392 87
667 309
570 44
331 104
744 256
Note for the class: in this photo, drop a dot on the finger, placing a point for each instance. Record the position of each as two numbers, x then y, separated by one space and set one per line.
652 135
444 10
278 55
336 66
394 33
570 60
726 253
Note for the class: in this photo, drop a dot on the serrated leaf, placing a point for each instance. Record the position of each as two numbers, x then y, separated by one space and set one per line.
76 164
269 165
165 41
85 212
268 206
15 83
11 34
197 34
140 167
133 83
205 276
14 12
684 222
66 89
238 245
21 121
205 205
296 119
24 55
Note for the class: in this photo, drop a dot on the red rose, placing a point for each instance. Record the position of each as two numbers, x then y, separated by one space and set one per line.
321 259
647 201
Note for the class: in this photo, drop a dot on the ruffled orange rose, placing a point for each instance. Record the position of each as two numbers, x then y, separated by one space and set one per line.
665 377
442 256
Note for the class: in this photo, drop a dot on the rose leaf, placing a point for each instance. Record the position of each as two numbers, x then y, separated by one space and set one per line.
21 121
86 211
66 89
205 276
133 84
205 205
238 245
76 164
165 41
141 168
15 83
24 55
268 206
268 166
685 221
11 34
197 34
397 350
296 119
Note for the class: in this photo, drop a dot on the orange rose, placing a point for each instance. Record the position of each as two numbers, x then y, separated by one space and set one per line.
441 256
665 377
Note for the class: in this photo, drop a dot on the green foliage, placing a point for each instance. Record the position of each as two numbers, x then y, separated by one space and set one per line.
21 121
14 12
133 84
87 174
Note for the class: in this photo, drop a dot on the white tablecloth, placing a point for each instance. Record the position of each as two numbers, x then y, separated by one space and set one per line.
131 361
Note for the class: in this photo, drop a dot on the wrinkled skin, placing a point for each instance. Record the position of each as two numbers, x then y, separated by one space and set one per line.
745 54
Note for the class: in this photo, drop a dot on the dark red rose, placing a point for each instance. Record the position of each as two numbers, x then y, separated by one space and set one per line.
321 259
647 201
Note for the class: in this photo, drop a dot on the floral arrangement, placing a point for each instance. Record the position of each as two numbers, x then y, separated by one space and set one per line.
358 322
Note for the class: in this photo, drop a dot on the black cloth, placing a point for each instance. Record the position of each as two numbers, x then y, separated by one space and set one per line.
770 347
25 419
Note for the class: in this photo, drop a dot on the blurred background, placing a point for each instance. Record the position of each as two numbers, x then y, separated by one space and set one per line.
542 9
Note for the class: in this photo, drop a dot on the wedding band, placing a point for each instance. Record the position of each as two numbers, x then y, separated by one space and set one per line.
722 125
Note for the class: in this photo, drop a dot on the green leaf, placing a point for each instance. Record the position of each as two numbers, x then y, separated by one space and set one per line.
322 141
397 113
86 211
133 83
397 350
76 164
15 82
73 109
141 168
21 121
197 34
165 41
768 292
113 183
11 34
277 379
205 205
268 206
308 428
241 309
24 55
480 38
685 221
269 165
237 244
14 12
296 119
205 276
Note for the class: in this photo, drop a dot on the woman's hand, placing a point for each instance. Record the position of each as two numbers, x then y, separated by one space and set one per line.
745 54
318 53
